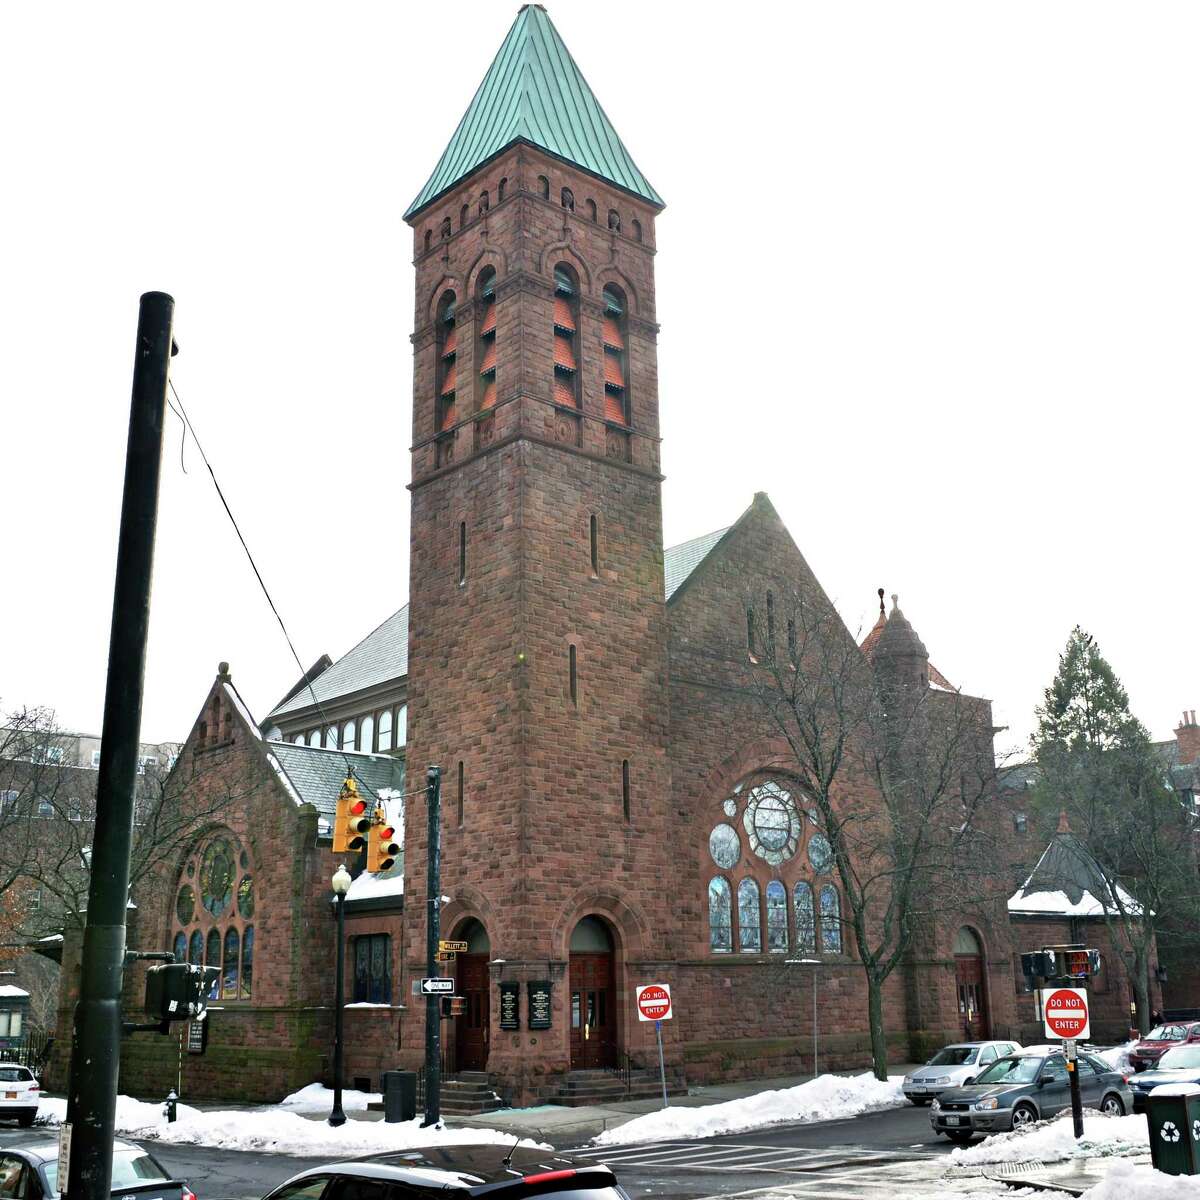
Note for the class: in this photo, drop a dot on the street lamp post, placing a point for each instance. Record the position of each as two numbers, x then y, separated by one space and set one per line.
341 881
814 963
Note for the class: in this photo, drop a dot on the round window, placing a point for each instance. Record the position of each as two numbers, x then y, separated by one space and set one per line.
216 877
820 853
185 904
725 846
772 823
730 807
246 897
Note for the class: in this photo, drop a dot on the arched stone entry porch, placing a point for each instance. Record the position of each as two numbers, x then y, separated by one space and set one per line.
471 974
592 1016
970 978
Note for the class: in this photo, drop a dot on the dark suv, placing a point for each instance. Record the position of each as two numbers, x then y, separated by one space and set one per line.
454 1171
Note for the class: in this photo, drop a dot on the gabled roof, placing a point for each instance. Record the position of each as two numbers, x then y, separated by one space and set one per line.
680 561
315 776
1068 881
380 656
533 92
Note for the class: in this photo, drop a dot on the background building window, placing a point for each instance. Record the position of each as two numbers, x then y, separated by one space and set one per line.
566 336
366 734
372 976
749 918
720 916
385 729
447 344
349 732
614 335
485 341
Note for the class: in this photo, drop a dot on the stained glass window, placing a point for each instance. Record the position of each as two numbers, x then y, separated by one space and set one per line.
806 928
831 920
725 846
246 898
247 962
212 958
216 877
196 948
229 976
820 853
777 917
180 947
749 917
185 904
720 916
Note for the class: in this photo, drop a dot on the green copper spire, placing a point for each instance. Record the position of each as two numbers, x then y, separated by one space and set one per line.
534 92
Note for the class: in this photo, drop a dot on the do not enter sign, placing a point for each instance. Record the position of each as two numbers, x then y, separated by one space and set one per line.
1065 1012
654 1002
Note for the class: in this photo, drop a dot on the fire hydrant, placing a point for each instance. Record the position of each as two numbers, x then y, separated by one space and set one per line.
169 1107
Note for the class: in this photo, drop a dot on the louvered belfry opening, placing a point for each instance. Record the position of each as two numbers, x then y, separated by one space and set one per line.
566 337
616 373
447 343
485 308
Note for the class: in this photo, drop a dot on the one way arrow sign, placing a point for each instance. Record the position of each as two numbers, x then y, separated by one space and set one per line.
433 986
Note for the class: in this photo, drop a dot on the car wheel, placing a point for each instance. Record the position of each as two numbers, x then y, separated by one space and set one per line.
1023 1114
960 1137
1113 1105
25 1119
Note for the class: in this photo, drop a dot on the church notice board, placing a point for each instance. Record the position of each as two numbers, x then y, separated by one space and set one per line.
510 1006
539 1003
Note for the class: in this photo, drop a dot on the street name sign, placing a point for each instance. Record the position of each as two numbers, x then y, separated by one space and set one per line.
433 986
654 1002
448 947
1065 1013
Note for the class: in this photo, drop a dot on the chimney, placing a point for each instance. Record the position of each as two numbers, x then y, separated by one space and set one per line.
1187 738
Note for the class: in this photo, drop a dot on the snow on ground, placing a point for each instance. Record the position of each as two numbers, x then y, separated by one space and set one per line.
827 1098
276 1129
1133 1181
1054 1141
317 1098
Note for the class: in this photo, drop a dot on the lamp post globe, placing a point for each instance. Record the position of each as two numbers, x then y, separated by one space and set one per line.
341 880
340 884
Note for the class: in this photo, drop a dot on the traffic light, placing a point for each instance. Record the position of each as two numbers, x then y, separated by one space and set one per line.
382 846
352 820
1081 964
178 991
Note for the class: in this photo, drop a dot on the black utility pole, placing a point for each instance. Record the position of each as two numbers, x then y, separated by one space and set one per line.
96 1043
433 1004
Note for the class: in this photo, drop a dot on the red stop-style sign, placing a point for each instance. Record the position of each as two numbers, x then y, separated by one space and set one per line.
654 1002
1066 1012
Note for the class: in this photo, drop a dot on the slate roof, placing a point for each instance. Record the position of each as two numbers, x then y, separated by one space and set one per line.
534 92
380 656
1067 881
316 775
680 561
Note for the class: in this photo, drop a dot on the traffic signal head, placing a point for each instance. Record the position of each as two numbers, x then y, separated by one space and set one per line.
453 1006
178 991
382 847
352 820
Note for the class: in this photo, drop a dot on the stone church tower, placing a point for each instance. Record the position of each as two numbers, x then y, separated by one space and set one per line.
538 644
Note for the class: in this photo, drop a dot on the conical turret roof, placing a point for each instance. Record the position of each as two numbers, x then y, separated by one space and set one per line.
899 637
534 92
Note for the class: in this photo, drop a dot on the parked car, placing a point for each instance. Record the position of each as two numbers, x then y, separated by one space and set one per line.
952 1066
19 1094
1145 1055
31 1173
455 1171
1024 1088
1180 1064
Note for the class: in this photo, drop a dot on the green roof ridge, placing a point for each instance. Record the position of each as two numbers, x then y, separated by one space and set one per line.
534 92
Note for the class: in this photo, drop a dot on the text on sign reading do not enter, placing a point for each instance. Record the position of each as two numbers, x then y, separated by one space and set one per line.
654 1002
1066 1012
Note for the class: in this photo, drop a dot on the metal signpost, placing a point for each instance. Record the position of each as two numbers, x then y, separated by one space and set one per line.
654 1004
1065 1016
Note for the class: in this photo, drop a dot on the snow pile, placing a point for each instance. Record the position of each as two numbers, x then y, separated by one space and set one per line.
317 1098
1131 1181
827 1098
1054 1141
1118 1057
278 1130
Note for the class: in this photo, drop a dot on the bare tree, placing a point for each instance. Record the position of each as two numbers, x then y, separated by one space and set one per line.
898 775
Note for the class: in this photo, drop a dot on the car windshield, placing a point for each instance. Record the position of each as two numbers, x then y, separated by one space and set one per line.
1181 1058
1010 1070
954 1056
129 1168
1167 1033
14 1075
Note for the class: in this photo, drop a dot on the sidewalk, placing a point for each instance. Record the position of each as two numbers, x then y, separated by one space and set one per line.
1077 1177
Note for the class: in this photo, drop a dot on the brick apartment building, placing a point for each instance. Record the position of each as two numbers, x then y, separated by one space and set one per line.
616 810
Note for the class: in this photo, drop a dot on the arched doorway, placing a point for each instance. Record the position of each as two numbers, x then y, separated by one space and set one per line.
471 974
593 1011
970 985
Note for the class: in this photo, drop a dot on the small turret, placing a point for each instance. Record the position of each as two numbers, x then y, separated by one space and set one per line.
899 653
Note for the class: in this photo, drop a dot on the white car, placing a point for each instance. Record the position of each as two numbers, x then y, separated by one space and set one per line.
19 1094
953 1066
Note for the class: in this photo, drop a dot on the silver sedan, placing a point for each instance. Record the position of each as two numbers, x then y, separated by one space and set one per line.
953 1066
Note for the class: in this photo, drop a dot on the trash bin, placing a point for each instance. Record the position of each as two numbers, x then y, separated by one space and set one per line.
1173 1114
400 1095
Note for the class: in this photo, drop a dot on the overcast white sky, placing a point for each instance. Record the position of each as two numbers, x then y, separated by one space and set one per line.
927 275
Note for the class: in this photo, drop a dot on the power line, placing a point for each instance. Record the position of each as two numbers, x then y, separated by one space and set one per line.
325 722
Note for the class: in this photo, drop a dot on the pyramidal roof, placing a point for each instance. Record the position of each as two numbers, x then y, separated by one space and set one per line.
534 92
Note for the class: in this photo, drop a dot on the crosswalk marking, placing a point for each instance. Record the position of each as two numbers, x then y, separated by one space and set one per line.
733 1158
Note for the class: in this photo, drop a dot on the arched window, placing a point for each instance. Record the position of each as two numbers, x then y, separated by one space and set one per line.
349 732
214 905
749 918
401 726
591 210
831 920
464 215
314 737
428 240
637 229
298 740
568 199
446 229
543 187
331 739
500 189
180 947
806 925
777 917
484 203
447 350
613 331
614 220
485 341
720 916
566 336
366 734
385 729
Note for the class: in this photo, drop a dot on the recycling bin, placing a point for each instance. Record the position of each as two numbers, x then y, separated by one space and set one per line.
1173 1114
400 1095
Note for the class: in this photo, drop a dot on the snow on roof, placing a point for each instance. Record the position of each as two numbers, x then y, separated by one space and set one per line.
243 711
287 783
372 887
1055 903
7 990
